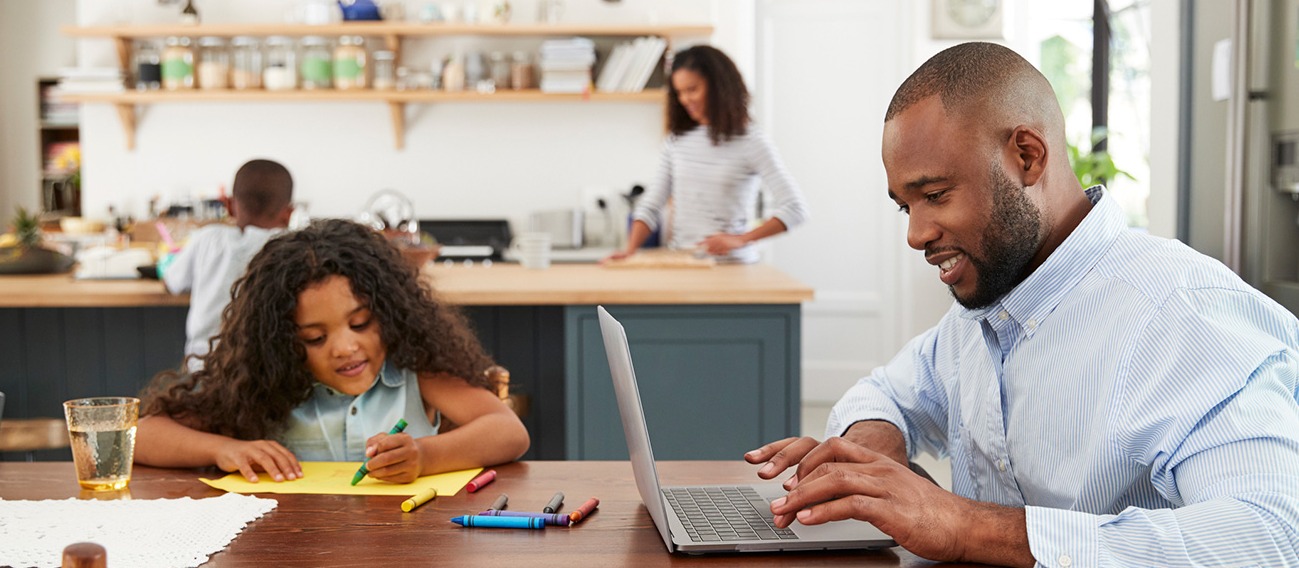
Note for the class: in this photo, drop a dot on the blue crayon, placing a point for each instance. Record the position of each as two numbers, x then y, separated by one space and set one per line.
499 522
556 519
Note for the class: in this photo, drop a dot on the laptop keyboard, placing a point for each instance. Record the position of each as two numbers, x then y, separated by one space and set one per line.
718 514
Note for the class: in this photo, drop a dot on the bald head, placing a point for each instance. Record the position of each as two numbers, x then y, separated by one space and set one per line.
984 85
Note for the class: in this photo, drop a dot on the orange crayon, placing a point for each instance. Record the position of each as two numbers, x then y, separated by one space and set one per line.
585 510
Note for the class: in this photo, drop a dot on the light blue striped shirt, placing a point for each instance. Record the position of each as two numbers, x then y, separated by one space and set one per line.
714 188
1134 396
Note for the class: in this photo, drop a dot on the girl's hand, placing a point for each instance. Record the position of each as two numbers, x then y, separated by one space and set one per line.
248 457
394 458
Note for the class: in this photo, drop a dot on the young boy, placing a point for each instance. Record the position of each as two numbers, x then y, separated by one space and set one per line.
218 254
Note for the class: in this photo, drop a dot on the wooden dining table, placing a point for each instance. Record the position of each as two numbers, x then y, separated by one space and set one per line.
354 530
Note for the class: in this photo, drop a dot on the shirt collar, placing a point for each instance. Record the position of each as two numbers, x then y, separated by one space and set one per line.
1037 296
390 376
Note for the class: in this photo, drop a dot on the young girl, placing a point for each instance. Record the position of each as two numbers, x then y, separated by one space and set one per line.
329 339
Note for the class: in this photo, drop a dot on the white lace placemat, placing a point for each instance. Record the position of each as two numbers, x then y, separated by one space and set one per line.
145 533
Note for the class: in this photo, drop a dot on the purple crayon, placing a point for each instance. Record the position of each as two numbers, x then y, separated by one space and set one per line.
555 519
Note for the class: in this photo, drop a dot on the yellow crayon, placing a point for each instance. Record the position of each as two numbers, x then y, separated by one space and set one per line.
419 499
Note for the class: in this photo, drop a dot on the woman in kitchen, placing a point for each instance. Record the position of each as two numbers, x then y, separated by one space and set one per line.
711 167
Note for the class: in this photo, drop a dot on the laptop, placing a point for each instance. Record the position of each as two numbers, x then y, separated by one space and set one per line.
713 518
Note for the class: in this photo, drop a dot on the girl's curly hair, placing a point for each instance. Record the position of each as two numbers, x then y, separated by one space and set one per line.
256 373
728 98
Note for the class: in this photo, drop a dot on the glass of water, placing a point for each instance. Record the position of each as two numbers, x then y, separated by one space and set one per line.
103 440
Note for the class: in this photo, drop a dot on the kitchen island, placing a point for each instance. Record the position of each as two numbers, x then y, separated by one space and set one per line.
717 350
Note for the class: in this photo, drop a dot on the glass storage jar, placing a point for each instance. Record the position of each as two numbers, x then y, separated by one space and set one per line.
349 63
281 66
453 74
317 66
213 63
385 76
148 66
245 63
521 74
500 70
178 64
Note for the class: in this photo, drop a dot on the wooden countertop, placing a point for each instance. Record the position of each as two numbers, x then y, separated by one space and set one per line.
498 285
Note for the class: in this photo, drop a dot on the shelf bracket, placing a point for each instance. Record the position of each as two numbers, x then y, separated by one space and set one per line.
393 43
397 111
126 114
123 45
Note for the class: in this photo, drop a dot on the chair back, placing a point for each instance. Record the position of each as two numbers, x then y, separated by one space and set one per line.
501 376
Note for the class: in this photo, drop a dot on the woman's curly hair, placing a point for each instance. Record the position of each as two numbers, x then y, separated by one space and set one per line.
728 98
256 372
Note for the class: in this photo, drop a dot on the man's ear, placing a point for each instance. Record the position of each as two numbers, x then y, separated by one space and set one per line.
1028 151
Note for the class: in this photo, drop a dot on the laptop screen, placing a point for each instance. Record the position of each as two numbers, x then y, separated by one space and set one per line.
633 421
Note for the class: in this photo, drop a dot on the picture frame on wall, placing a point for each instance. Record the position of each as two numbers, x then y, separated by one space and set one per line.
968 19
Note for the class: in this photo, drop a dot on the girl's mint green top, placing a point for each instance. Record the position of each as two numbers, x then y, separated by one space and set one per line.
332 426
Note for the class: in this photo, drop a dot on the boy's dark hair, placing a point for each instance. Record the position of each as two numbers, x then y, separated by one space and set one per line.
728 98
256 372
262 189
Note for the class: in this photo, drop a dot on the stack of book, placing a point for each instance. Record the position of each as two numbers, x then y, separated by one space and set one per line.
566 65
630 65
55 110
90 80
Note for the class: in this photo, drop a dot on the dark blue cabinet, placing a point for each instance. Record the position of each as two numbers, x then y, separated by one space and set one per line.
715 381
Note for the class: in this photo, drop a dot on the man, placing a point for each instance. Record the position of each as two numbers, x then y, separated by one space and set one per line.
1107 398
218 254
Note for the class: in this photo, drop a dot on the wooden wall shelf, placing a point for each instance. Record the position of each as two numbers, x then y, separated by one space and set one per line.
391 33
126 102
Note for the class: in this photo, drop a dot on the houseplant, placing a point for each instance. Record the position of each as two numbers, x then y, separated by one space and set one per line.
25 255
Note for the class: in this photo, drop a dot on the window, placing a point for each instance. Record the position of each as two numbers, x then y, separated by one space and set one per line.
1071 38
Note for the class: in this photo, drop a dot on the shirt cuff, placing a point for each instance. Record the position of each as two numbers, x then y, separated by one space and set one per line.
841 422
1064 539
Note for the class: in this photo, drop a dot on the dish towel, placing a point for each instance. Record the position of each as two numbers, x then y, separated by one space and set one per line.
145 533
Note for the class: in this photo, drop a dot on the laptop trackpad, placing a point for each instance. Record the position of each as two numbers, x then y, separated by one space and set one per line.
849 529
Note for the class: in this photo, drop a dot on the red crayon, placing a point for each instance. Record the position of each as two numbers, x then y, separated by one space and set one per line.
482 480
585 510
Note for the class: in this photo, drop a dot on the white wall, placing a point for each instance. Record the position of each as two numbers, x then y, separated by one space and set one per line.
460 160
29 36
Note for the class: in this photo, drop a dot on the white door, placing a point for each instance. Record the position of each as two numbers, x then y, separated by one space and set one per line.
825 72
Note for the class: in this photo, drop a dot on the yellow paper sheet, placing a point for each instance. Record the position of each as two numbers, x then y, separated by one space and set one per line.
335 478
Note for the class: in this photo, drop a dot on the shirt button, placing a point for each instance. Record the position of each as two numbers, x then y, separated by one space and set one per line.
1031 324
1064 560
353 411
1001 465
1003 315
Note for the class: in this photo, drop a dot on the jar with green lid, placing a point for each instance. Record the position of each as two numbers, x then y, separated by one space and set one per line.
280 72
177 64
317 68
213 64
245 63
350 63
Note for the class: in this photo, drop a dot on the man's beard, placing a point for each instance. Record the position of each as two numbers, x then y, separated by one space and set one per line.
1009 242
